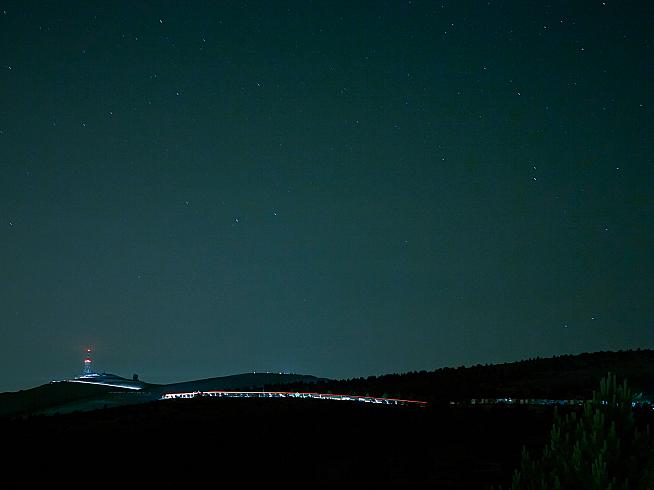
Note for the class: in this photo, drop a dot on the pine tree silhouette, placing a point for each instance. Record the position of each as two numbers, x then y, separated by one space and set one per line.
599 449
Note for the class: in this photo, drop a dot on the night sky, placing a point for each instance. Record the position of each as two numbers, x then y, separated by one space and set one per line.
198 189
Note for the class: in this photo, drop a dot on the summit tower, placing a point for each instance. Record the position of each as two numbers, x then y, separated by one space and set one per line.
86 370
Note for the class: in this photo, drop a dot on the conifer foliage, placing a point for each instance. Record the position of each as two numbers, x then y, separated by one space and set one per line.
601 448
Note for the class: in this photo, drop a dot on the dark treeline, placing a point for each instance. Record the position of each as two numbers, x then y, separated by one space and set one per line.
559 377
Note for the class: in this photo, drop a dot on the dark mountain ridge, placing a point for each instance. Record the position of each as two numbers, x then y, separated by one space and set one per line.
68 396
559 377
238 382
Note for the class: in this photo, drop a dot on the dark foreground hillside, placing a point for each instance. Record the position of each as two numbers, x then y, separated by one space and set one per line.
292 440
306 443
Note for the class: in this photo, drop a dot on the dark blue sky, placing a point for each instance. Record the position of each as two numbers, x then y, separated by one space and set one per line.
205 188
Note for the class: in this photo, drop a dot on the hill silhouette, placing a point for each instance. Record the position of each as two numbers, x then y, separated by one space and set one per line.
239 382
50 395
559 377
332 442
65 397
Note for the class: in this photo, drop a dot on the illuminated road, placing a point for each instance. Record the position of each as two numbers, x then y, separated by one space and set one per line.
113 384
288 394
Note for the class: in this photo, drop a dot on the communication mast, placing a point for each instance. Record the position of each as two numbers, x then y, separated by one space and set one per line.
86 370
